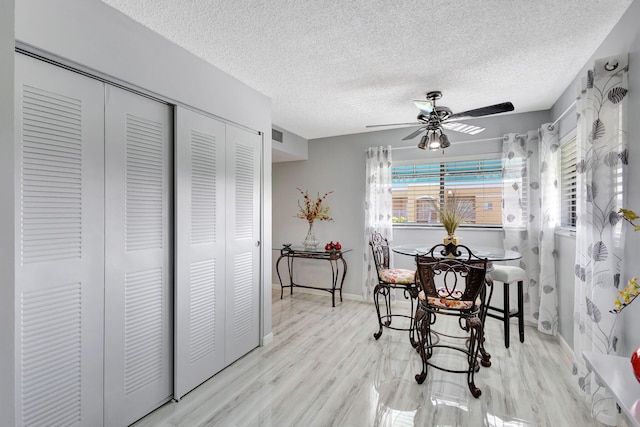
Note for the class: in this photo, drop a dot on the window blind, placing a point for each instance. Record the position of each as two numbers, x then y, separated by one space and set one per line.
568 183
419 188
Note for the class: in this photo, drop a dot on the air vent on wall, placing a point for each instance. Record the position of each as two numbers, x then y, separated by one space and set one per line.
276 135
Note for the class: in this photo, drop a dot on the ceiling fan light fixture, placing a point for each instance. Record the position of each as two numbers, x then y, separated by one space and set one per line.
423 142
444 141
434 141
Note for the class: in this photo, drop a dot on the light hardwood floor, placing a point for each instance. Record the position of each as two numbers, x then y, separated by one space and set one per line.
324 368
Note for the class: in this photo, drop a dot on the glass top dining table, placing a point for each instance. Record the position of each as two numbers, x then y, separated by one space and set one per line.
491 253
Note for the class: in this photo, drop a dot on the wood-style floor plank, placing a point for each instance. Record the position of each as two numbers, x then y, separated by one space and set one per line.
324 368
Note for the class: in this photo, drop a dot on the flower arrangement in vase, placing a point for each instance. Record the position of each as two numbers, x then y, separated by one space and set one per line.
311 210
452 212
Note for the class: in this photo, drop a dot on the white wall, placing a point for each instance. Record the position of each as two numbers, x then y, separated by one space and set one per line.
293 147
566 247
625 37
7 299
338 164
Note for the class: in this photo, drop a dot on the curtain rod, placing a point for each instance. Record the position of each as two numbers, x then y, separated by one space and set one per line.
569 108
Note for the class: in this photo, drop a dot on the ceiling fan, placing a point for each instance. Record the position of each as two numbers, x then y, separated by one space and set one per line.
434 118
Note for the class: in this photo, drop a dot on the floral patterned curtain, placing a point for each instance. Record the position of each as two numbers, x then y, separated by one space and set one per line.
601 159
530 214
377 210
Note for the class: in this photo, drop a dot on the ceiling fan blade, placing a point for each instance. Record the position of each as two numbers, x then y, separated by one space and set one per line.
462 127
414 134
423 105
484 111
395 124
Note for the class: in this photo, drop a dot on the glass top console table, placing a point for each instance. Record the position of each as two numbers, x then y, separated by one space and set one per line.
335 259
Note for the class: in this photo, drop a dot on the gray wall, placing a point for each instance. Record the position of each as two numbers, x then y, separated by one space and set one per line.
7 255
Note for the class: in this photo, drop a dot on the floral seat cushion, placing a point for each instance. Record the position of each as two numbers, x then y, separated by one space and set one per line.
445 300
399 276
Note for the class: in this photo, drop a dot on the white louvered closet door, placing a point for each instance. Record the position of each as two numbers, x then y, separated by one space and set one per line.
243 235
59 246
200 249
138 274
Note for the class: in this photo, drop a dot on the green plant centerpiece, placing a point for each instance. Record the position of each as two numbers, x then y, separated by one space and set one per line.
452 212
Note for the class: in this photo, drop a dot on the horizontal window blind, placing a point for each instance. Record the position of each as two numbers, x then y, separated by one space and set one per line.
568 183
419 188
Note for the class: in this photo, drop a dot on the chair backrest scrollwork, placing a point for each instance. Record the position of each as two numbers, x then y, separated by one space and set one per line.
380 250
451 272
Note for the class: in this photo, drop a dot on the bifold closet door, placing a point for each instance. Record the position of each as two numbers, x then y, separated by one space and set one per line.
243 243
200 249
138 275
59 246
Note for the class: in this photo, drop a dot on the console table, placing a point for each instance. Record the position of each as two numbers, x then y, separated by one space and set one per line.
617 375
333 257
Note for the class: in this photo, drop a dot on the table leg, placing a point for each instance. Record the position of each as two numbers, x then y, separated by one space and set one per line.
278 271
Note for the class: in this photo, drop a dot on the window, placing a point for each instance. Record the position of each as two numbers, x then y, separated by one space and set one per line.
418 185
426 211
399 209
568 186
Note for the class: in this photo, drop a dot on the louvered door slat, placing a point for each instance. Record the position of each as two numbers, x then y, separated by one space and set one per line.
243 232
138 353
59 276
200 246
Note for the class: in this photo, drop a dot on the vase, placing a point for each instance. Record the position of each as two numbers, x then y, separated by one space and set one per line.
310 241
451 238
635 363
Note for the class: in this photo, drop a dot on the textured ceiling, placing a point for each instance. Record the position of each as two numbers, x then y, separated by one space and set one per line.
333 66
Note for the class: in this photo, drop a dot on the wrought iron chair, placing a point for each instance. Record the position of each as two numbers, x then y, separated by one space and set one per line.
390 279
453 283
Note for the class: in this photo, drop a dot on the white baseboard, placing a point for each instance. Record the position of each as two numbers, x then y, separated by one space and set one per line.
566 349
268 339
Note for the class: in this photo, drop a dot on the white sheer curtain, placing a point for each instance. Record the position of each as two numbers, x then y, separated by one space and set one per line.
601 159
530 215
377 210
549 219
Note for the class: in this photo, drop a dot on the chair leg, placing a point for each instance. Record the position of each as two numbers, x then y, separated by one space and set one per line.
521 311
506 315
412 326
474 325
387 304
421 324
486 357
376 299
